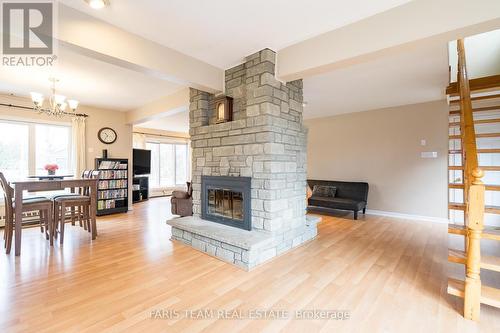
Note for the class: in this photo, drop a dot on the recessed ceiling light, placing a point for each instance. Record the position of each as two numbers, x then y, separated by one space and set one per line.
97 4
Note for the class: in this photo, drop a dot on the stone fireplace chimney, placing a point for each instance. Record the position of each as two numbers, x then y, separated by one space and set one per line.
266 141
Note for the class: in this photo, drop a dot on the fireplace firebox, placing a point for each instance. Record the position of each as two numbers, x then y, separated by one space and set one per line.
226 200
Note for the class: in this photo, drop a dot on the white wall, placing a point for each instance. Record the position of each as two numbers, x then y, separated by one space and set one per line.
482 53
382 147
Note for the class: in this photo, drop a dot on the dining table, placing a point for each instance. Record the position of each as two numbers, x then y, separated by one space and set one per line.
50 177
44 185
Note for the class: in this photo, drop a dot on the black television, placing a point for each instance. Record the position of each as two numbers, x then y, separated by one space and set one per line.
142 162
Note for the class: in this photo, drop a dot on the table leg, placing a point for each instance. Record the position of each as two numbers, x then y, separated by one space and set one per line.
51 225
19 218
93 210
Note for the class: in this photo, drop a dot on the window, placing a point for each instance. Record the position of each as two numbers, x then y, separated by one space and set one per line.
53 147
168 164
14 151
25 148
154 177
181 164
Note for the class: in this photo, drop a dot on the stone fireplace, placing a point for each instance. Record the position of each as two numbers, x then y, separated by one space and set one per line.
265 145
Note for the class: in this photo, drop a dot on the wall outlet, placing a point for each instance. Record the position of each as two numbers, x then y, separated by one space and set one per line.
423 142
429 154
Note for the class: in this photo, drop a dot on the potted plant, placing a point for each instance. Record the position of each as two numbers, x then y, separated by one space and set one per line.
51 169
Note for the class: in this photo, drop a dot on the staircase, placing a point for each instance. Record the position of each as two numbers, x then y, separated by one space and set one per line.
474 183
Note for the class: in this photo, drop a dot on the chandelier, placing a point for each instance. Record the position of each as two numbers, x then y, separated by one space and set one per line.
57 103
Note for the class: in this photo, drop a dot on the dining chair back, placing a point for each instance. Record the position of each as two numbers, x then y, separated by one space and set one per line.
40 204
8 195
79 205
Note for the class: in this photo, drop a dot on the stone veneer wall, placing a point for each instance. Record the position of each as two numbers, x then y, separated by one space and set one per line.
265 141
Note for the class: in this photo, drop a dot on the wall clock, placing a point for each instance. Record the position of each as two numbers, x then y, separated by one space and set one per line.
107 135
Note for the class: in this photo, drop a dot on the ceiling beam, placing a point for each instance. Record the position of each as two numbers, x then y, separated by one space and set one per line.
160 133
163 107
400 28
100 40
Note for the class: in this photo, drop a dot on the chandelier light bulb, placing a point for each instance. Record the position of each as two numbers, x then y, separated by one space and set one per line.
59 99
37 98
73 104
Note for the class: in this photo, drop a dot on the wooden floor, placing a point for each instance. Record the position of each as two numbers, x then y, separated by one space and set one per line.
390 274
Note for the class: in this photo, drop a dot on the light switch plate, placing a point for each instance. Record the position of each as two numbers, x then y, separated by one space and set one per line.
429 154
423 142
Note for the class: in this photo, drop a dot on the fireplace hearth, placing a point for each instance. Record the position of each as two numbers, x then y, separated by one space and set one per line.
226 200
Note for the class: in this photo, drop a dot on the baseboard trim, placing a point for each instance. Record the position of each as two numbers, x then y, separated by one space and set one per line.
407 216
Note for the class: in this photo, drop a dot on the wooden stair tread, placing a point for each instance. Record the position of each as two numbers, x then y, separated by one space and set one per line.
477 98
487 187
456 287
489 232
489 295
479 135
490 167
478 84
479 121
479 151
483 167
491 263
487 209
483 109
456 229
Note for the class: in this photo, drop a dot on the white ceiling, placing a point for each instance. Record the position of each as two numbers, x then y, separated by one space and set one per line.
223 32
178 122
411 76
90 81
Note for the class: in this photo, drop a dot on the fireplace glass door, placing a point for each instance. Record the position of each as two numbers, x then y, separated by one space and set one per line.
225 203
227 200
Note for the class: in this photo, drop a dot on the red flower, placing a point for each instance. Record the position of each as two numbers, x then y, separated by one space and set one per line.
51 167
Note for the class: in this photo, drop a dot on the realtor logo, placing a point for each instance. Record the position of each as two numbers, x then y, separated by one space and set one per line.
27 27
28 33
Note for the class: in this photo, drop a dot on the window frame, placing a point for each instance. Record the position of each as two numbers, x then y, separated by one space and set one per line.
174 144
32 140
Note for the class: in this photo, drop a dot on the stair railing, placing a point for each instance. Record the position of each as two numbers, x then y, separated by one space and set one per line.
473 192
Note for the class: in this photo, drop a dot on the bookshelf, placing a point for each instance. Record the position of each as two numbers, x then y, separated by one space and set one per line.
112 188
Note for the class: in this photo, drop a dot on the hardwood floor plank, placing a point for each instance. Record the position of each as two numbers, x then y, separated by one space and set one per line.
391 275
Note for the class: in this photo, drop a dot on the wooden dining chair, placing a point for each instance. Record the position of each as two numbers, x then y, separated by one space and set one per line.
84 211
41 204
78 202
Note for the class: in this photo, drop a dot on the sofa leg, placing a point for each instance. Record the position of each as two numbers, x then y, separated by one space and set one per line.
364 211
355 214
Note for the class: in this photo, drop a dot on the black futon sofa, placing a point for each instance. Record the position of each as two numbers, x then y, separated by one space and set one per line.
347 196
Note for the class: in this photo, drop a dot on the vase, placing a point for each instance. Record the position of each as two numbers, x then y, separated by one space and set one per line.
51 172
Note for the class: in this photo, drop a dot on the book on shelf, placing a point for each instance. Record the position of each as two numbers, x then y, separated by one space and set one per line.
113 174
106 204
112 184
112 194
112 165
